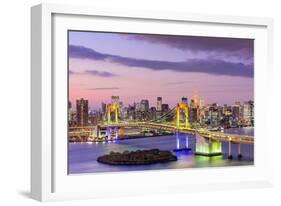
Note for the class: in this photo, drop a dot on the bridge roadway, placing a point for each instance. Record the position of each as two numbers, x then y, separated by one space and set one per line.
234 138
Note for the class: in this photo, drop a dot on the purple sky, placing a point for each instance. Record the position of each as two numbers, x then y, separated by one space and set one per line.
136 67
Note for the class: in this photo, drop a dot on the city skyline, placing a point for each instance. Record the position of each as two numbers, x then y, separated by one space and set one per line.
147 66
73 104
241 113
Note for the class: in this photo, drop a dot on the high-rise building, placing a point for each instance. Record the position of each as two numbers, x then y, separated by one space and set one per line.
193 111
238 104
214 114
144 105
137 106
69 112
248 113
131 112
103 111
201 110
115 100
184 100
214 117
220 111
201 103
236 112
159 104
193 103
195 97
122 110
224 111
252 114
103 108
93 118
165 108
152 113
82 112
121 104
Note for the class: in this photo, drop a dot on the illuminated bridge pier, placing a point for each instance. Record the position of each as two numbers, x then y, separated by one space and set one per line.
182 108
210 143
207 146
112 131
178 142
230 156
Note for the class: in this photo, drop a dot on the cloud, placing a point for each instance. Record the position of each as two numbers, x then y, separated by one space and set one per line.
104 88
85 53
100 73
198 84
242 48
209 65
94 73
72 72
179 82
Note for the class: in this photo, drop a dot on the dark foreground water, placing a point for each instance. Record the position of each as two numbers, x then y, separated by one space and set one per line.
83 156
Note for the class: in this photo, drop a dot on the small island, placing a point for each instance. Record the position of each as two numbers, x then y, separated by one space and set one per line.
139 157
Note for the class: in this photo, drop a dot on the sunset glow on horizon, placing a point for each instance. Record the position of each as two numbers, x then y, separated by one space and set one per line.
140 66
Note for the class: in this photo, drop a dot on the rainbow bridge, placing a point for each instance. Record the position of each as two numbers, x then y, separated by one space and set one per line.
207 143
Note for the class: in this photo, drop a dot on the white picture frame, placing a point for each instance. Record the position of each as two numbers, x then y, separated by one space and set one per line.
49 179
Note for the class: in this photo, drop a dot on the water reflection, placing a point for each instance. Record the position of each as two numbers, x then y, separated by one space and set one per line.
82 157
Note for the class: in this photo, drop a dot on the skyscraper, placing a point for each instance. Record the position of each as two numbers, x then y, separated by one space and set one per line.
201 103
236 112
193 103
103 108
184 100
252 114
153 113
201 110
144 105
193 111
195 97
165 108
69 112
159 104
248 113
122 110
115 100
214 114
82 112
103 111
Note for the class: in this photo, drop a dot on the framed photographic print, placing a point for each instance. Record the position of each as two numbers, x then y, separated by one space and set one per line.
122 100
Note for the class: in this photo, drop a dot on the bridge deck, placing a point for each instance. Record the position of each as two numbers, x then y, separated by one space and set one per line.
205 133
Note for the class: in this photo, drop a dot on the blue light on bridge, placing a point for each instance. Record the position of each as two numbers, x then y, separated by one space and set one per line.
178 140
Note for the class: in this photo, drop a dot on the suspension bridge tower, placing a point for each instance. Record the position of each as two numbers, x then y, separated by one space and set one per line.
112 108
112 124
182 111
182 107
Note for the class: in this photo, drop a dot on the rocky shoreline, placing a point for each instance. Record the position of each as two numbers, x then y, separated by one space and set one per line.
139 157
